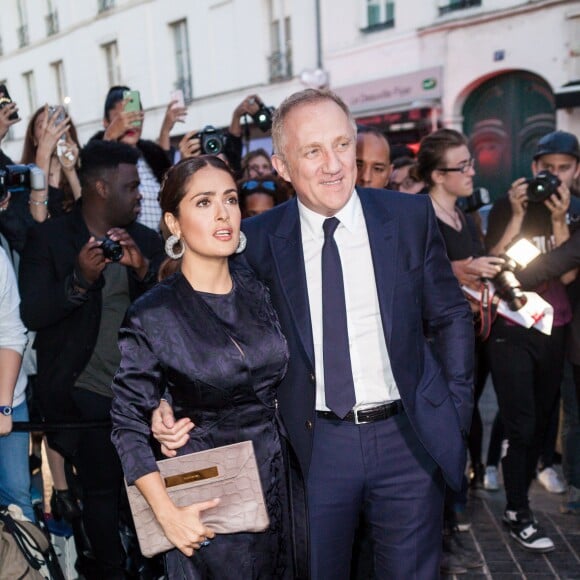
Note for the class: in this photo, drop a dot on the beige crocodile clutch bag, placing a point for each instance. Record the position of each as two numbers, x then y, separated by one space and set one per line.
229 473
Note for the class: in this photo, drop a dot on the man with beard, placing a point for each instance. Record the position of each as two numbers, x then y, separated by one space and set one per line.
78 275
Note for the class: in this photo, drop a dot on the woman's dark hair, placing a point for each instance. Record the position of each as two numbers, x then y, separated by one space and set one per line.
249 157
30 147
432 151
403 162
29 156
177 177
114 95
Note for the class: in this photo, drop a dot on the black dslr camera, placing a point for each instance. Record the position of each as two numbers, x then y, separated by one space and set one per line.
507 286
16 178
475 201
541 187
112 250
263 117
212 140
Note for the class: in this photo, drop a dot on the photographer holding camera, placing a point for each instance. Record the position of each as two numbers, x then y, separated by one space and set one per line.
527 365
227 144
78 275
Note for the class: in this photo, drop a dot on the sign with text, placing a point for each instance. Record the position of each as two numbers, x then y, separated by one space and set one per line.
392 91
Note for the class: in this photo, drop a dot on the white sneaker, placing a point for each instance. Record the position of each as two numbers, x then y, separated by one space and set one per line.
527 532
490 479
551 480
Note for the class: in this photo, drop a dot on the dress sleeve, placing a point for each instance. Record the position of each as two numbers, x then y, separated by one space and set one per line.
137 388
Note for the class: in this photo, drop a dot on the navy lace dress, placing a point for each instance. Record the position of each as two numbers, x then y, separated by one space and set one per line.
220 357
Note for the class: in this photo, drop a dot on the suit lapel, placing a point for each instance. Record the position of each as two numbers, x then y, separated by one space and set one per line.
288 257
382 229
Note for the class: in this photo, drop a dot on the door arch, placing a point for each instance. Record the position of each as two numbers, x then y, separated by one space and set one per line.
504 118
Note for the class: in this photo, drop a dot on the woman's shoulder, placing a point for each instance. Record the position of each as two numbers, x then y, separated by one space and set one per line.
246 279
161 296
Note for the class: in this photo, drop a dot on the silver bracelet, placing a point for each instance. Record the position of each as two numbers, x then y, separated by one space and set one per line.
34 202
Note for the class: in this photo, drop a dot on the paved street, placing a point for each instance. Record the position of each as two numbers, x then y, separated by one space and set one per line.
503 557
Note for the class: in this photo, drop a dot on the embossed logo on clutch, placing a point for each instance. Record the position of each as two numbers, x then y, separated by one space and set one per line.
191 476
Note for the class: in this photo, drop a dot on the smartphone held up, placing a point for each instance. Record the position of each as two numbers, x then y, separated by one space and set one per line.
5 100
178 103
132 104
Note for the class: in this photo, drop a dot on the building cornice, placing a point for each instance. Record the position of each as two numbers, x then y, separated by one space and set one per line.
455 20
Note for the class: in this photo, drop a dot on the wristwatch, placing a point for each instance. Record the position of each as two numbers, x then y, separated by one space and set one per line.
5 410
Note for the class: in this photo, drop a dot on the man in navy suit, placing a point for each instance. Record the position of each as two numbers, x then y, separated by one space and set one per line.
376 413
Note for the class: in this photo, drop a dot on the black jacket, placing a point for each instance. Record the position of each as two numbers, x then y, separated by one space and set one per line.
559 261
67 323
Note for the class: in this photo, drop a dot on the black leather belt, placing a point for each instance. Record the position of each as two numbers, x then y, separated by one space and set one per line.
366 415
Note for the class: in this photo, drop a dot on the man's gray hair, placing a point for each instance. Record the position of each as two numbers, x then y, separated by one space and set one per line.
305 97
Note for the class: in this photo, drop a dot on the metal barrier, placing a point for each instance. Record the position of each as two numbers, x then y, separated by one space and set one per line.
22 426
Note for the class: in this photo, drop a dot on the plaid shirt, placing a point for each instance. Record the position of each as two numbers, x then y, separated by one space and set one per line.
150 215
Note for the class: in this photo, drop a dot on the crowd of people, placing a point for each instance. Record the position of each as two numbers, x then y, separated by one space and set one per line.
312 301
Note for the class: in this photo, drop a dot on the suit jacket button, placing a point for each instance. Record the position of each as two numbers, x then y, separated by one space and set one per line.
308 425
312 378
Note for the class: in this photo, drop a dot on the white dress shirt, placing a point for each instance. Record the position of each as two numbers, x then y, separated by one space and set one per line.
371 368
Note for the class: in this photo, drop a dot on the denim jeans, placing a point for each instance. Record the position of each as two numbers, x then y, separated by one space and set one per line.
14 471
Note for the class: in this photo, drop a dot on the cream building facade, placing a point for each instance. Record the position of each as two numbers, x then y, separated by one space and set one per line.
503 71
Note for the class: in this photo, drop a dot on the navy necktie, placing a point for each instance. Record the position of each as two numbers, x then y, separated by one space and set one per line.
338 381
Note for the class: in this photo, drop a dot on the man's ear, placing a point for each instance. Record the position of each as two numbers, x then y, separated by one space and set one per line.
437 176
280 166
534 167
102 188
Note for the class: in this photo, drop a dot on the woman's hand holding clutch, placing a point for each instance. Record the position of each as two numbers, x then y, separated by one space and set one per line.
183 526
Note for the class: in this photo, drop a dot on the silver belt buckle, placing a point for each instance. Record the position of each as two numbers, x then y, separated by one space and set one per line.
355 411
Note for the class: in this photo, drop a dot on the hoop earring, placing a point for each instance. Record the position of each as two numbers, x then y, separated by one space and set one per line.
170 244
242 244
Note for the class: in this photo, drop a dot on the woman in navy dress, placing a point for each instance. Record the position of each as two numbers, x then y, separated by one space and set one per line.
209 336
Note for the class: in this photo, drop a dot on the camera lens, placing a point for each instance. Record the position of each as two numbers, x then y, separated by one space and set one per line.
509 289
111 250
263 118
544 185
212 145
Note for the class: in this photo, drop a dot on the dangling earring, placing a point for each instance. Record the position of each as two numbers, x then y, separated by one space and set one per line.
170 244
242 245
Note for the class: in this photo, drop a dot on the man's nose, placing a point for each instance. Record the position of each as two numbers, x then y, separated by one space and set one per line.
366 174
331 162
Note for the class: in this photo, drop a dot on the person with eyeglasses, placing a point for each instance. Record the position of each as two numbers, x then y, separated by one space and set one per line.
526 365
445 164
261 194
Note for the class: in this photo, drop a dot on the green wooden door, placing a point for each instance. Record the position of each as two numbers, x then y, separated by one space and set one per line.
504 118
